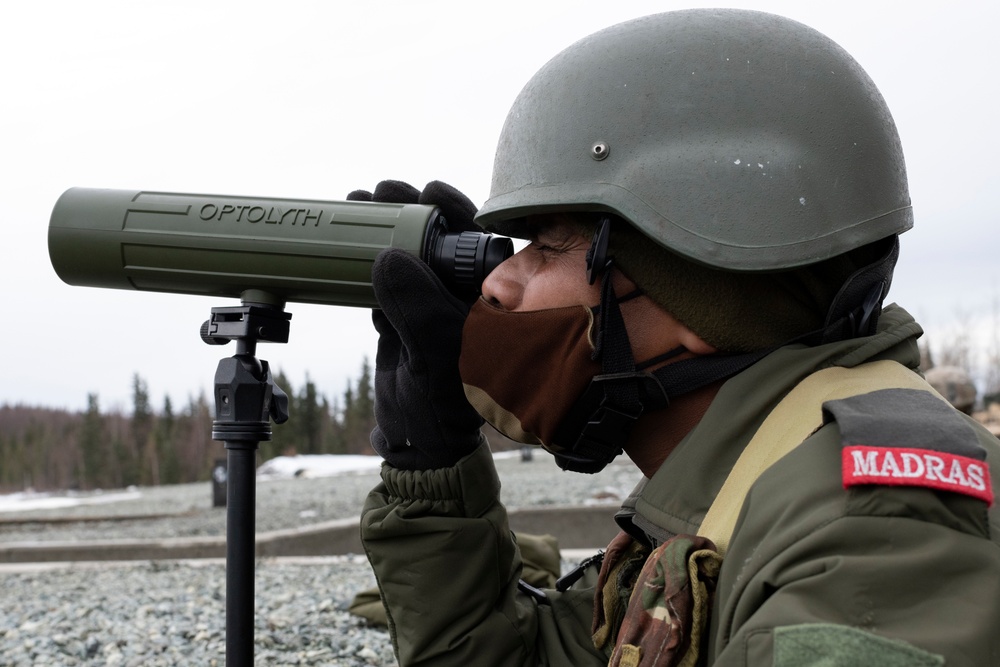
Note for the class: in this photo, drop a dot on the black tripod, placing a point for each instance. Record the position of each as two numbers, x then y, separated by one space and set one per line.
246 399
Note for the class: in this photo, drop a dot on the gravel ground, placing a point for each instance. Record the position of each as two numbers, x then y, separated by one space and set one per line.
172 613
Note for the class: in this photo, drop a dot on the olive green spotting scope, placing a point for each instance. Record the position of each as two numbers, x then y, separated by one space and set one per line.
254 248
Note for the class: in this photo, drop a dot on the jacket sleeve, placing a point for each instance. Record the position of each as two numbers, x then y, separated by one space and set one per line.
447 568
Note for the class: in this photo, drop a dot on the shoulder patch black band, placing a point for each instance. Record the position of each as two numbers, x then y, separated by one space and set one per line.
908 437
903 418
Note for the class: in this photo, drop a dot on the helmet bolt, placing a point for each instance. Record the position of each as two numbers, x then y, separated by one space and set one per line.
599 151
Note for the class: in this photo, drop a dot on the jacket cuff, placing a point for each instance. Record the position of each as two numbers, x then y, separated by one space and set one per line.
471 484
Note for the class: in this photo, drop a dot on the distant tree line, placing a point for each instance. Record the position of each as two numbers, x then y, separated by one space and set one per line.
43 449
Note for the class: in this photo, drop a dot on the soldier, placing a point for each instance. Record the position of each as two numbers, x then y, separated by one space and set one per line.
712 200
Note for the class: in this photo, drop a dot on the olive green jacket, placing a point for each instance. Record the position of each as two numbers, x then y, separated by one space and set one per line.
816 574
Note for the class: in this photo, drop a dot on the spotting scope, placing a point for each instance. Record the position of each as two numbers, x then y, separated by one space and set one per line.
304 251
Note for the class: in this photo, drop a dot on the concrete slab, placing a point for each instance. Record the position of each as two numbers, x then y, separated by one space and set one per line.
588 528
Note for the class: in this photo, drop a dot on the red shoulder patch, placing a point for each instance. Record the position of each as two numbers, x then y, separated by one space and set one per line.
904 466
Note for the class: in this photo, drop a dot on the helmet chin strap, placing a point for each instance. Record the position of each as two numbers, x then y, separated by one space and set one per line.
599 424
598 261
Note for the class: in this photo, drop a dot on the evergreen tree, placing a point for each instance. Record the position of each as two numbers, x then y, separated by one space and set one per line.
92 446
122 467
349 427
365 400
35 468
142 426
309 419
166 445
7 463
334 438
71 472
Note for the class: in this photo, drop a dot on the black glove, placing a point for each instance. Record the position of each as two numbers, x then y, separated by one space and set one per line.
458 209
423 418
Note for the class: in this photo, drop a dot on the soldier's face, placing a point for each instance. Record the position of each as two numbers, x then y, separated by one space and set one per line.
550 272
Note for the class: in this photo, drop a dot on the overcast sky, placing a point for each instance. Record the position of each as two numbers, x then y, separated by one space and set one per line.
314 99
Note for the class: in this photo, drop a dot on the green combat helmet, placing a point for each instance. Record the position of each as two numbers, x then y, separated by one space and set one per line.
738 139
757 155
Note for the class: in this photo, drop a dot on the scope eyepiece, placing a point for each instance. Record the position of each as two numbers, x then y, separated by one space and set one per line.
462 260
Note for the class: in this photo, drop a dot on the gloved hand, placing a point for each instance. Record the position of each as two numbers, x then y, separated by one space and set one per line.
423 418
458 209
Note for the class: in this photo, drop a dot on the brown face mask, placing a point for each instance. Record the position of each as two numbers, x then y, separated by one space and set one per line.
524 371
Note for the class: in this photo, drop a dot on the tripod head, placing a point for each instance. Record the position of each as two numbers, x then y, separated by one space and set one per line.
246 397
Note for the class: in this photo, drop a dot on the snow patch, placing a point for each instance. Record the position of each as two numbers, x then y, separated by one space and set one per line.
31 500
317 465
